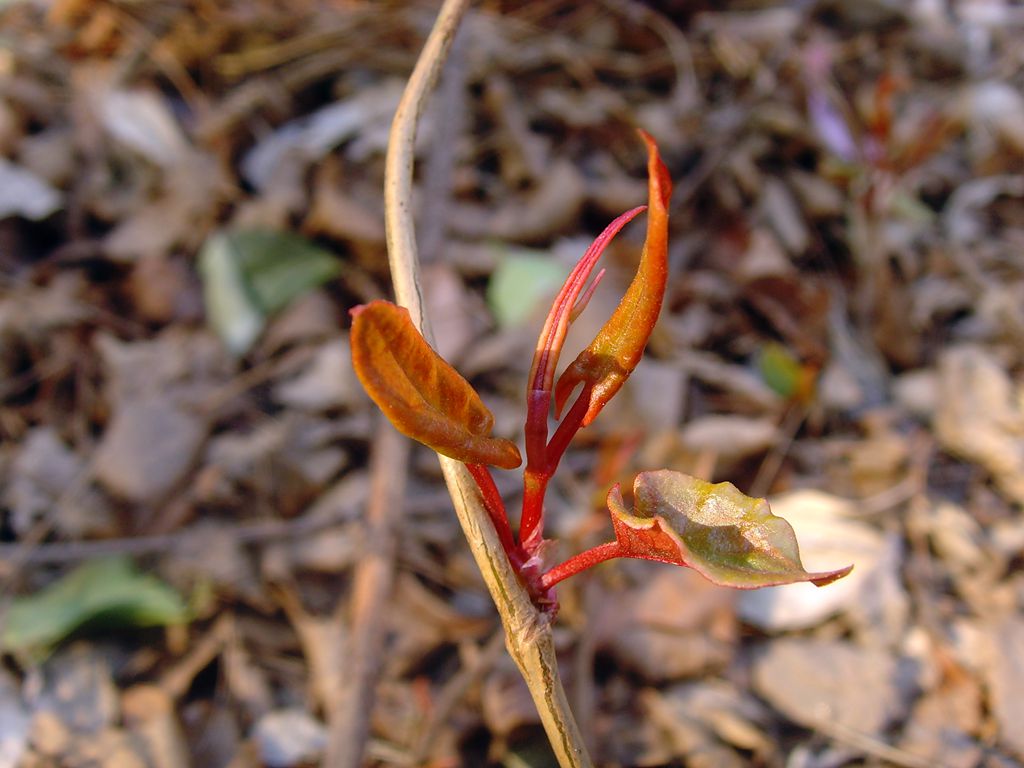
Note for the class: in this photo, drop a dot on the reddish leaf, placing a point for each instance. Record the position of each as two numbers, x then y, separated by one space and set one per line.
564 310
422 395
615 351
729 538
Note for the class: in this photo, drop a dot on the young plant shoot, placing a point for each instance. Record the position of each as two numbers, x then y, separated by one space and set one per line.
731 539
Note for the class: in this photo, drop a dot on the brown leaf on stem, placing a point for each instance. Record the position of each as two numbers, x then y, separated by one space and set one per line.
615 351
729 538
421 394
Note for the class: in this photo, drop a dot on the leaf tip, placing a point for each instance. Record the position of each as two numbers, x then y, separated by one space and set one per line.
616 350
659 179
824 578
506 454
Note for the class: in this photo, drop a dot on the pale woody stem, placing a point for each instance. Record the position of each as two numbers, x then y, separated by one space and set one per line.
527 631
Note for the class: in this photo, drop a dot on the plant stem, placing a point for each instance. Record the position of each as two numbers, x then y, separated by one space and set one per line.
527 629
567 429
541 457
580 562
531 523
496 510
535 481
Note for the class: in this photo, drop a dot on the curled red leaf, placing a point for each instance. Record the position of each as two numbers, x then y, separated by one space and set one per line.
728 537
565 308
613 354
421 394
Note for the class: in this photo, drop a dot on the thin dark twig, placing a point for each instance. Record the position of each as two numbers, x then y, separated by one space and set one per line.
454 691
372 584
62 552
772 463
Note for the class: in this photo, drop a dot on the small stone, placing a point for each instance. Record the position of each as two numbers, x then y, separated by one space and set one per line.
287 737
79 690
48 734
328 382
14 722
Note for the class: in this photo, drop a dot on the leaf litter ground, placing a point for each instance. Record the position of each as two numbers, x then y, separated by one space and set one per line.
843 332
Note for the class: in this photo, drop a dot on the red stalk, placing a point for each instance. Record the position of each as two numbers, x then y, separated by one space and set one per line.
541 460
496 510
578 563
535 483
568 428
531 524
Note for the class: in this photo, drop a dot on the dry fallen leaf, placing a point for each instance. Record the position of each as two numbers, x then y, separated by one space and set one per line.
327 382
718 709
980 416
1004 673
142 120
831 681
828 533
673 625
148 448
942 723
730 436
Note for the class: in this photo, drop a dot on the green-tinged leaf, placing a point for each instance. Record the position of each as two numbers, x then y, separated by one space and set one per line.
728 537
780 370
421 394
279 266
785 374
605 365
523 278
231 309
109 592
530 749
910 208
250 274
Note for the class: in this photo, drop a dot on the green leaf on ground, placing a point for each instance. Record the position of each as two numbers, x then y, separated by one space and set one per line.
780 370
110 592
522 280
250 274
